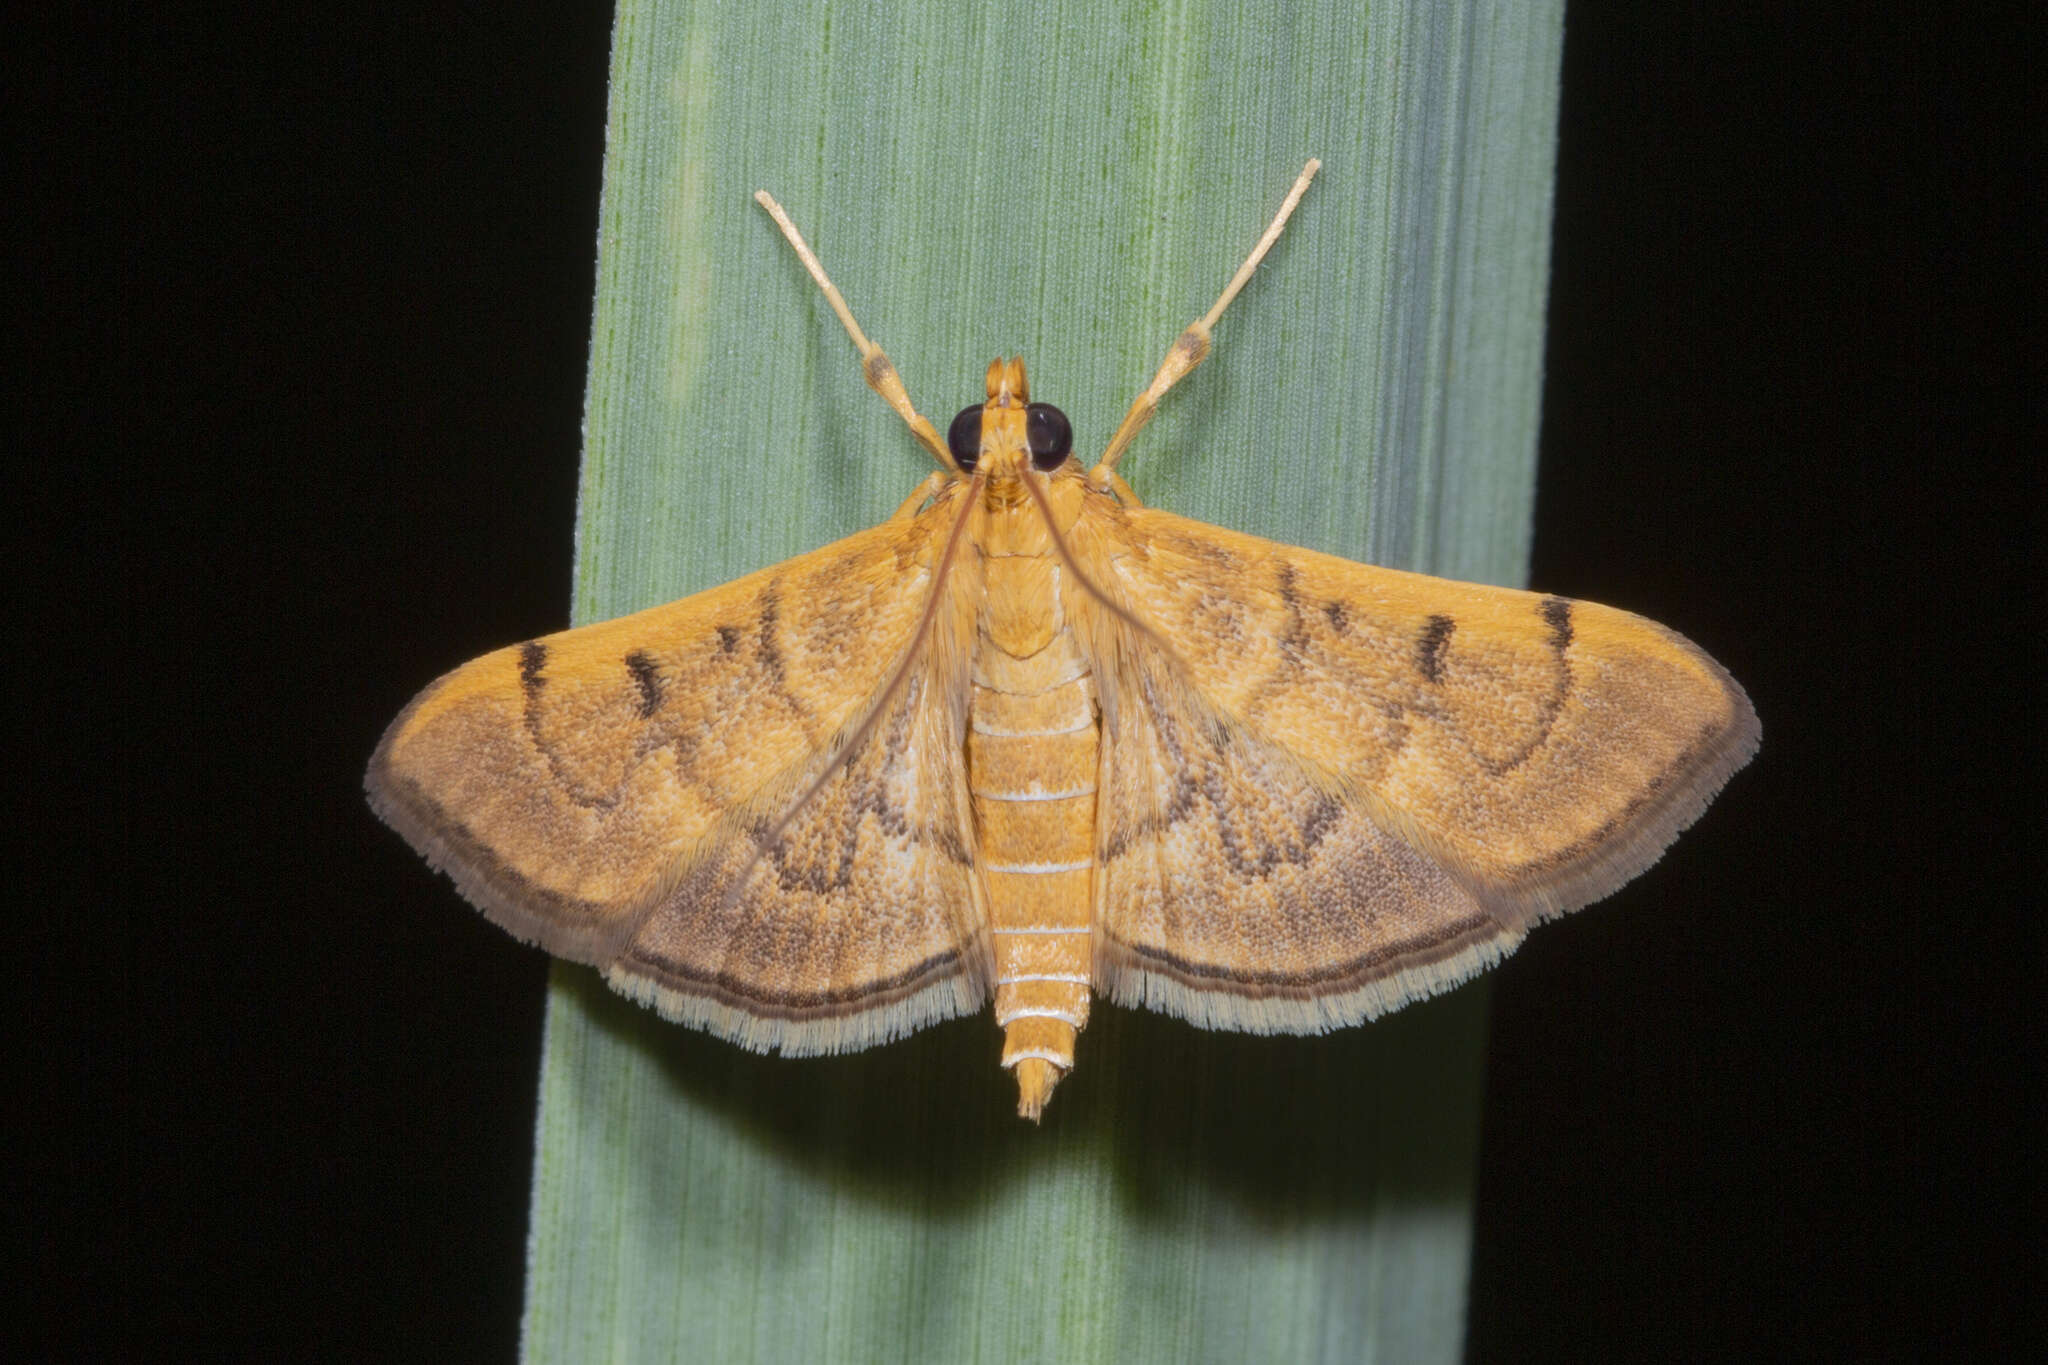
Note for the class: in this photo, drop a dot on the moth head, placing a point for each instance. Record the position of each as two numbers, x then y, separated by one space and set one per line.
1009 433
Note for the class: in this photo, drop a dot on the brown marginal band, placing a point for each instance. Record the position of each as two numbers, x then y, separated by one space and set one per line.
566 926
1239 980
724 989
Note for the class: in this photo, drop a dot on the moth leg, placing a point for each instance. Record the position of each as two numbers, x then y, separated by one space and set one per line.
1109 481
1191 347
928 488
875 367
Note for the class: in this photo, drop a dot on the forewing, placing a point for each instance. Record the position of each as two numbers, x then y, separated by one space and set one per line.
830 921
1333 787
578 787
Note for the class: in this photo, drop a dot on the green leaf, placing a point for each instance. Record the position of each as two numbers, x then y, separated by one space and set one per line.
1073 183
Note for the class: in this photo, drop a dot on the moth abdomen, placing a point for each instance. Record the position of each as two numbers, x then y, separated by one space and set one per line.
1033 750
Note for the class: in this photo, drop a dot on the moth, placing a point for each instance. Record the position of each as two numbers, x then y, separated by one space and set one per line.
1031 739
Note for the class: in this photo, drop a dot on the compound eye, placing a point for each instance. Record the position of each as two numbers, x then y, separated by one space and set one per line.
963 438
1049 434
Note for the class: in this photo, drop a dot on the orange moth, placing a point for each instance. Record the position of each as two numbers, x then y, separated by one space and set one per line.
1029 739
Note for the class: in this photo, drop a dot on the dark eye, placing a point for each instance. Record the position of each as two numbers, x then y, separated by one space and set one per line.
963 438
1049 434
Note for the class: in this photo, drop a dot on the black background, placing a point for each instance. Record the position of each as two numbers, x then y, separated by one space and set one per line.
305 337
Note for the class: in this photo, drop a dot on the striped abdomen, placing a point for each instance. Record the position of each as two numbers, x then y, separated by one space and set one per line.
1032 747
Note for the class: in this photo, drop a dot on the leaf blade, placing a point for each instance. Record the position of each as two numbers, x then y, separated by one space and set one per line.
1373 392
